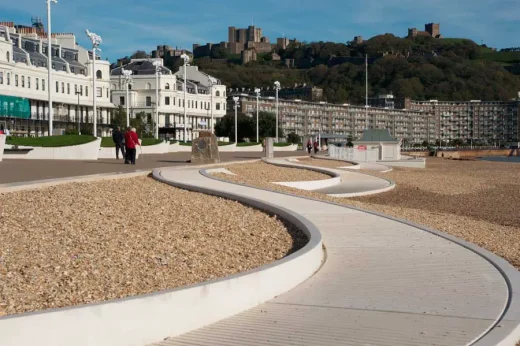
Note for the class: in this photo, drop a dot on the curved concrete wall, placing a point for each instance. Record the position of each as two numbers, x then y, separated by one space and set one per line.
173 148
292 147
161 148
2 145
87 151
251 148
138 321
227 148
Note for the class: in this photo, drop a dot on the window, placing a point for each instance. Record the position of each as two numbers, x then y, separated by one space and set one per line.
86 90
1 78
99 75
72 69
81 89
57 87
129 86
68 88
43 84
75 88
53 66
217 93
99 92
148 86
167 86
15 80
82 71
37 83
148 101
196 104
167 100
107 92
64 68
218 106
62 88
121 100
29 82
8 79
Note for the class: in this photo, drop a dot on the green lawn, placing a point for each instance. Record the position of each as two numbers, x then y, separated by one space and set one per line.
220 144
247 144
282 144
50 141
107 142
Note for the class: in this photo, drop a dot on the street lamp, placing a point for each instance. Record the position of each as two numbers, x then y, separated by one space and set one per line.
186 60
277 88
49 62
128 81
96 41
212 81
158 66
236 98
77 112
257 92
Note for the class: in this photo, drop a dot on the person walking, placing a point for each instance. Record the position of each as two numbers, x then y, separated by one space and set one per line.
131 142
316 147
119 140
309 145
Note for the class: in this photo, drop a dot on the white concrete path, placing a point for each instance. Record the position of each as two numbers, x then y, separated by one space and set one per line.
384 282
350 184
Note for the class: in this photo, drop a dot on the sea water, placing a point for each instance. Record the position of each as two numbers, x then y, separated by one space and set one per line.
511 159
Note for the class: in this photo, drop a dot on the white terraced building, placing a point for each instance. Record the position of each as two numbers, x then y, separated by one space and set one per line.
201 106
24 78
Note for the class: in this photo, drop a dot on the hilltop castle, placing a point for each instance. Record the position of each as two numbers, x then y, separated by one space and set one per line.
430 29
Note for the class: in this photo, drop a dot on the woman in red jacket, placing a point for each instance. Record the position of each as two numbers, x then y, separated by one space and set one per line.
131 141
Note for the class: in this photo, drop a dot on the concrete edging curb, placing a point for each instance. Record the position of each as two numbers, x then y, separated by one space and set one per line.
143 319
496 335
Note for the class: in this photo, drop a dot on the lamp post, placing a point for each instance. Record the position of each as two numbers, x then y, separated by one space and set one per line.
212 81
96 41
236 98
157 65
185 59
128 81
257 92
77 113
49 63
277 88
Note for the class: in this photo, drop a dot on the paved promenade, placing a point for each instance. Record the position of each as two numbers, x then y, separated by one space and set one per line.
384 282
12 171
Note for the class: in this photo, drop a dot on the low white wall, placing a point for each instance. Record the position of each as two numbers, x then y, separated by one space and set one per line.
184 149
110 153
2 145
161 148
141 320
311 184
292 147
227 148
87 151
173 148
252 148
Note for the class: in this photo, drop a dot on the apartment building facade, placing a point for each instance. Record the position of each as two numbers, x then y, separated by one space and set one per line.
24 83
201 106
311 118
491 122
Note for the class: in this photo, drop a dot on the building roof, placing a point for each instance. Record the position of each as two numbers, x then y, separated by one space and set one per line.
139 67
377 135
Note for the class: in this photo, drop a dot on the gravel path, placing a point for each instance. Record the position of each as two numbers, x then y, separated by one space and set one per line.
475 200
260 171
89 242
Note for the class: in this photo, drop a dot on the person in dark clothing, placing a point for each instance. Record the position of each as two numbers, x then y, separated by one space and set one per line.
309 146
119 141
316 147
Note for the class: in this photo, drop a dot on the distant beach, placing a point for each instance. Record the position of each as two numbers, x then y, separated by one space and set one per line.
510 159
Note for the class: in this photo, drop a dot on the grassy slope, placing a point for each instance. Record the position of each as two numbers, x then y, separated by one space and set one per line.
106 142
50 141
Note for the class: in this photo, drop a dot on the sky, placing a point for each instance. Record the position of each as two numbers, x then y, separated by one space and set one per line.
127 26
